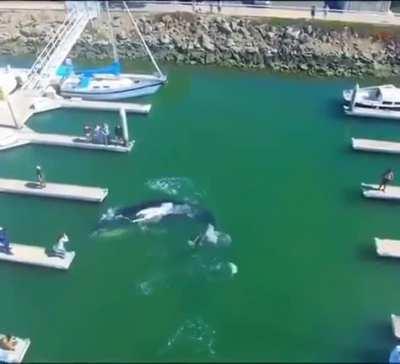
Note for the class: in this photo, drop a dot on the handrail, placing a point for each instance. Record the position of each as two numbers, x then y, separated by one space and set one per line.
45 49
48 54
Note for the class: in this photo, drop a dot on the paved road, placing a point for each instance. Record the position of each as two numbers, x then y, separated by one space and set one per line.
274 12
271 11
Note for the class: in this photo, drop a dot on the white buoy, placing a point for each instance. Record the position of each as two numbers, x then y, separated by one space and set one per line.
124 124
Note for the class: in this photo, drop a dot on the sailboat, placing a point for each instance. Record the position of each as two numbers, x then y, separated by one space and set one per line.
108 83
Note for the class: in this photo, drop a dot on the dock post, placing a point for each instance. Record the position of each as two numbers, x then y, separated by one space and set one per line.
124 125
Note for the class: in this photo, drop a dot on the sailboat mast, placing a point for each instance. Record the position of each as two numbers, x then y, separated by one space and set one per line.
143 41
114 46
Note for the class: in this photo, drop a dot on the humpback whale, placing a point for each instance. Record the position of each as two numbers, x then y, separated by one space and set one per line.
155 211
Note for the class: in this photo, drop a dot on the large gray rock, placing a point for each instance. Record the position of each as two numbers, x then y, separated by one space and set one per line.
207 43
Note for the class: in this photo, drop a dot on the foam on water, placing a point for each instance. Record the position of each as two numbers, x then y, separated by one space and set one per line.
213 236
195 335
176 186
217 237
150 286
220 270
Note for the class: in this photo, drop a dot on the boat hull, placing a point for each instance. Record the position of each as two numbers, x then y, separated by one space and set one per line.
372 113
115 95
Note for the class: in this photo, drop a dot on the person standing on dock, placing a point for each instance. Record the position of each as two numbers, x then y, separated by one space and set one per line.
119 134
4 241
106 133
40 177
387 177
59 248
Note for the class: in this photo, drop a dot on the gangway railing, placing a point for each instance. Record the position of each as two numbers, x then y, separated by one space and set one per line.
45 54
57 49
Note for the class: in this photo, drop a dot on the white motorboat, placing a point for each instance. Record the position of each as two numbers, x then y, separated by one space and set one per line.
374 101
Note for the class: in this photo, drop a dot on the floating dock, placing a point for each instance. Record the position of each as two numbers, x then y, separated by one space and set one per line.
54 190
105 105
370 145
35 255
71 142
16 355
387 247
371 191
396 325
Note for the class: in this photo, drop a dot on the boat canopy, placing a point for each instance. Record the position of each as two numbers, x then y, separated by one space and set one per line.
84 81
114 68
65 70
389 94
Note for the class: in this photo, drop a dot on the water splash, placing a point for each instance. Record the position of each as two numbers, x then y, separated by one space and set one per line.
194 335
176 186
151 286
213 236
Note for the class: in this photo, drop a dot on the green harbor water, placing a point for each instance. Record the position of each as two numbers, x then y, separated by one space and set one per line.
269 156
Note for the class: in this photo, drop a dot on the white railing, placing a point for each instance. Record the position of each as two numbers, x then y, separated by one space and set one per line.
37 65
56 50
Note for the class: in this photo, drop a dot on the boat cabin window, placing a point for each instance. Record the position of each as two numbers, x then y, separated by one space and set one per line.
137 81
387 103
96 87
364 106
105 86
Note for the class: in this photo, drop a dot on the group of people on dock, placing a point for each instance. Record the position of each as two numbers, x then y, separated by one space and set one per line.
57 250
101 134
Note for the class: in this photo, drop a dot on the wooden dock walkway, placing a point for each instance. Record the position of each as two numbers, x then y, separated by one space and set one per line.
35 255
54 190
18 354
371 145
396 325
387 247
371 191
72 142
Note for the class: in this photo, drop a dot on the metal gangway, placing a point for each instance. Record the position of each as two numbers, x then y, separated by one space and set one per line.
52 56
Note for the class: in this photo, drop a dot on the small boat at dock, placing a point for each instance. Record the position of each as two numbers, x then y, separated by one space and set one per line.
374 101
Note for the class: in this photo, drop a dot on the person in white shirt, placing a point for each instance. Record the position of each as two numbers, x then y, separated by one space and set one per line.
59 248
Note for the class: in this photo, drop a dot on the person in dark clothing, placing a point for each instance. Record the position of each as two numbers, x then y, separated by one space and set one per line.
118 133
387 177
313 11
4 241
